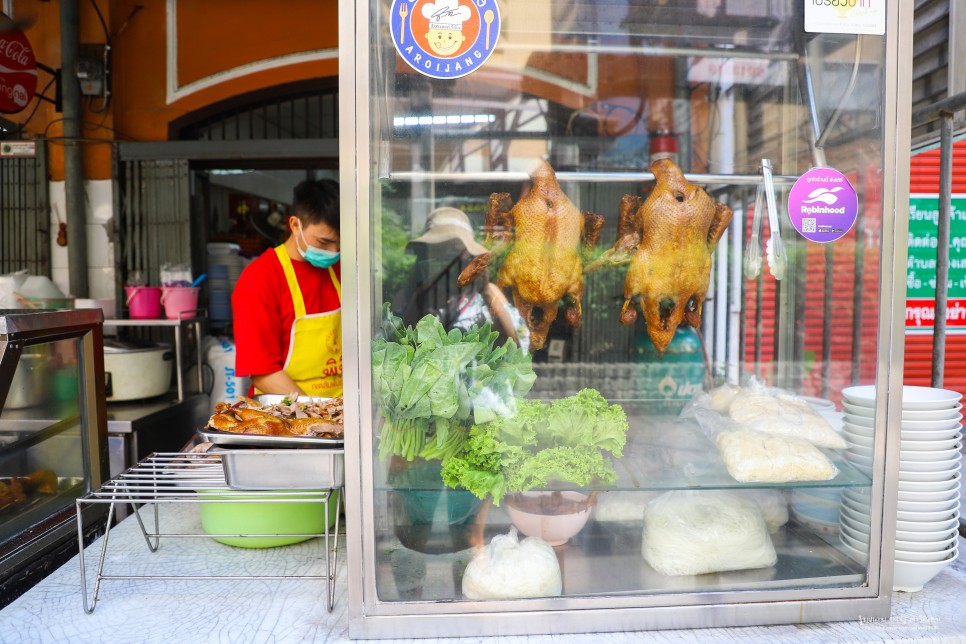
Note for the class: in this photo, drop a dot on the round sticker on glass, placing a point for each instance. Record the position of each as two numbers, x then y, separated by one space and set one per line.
823 205
445 38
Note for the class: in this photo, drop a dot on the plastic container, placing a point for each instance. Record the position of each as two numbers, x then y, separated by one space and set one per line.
178 300
265 518
143 302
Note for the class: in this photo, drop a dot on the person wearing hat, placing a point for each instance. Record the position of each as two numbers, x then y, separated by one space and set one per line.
287 304
443 251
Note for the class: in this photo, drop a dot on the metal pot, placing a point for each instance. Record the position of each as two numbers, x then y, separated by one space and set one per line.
27 387
136 370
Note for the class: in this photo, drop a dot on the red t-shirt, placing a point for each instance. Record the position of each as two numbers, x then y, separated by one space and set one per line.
263 311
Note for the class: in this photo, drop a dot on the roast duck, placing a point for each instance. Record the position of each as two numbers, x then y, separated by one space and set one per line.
289 418
542 240
15 490
668 240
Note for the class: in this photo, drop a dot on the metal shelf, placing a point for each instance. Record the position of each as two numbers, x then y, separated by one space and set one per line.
181 478
583 177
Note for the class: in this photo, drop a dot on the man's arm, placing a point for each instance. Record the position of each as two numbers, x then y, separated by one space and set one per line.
276 383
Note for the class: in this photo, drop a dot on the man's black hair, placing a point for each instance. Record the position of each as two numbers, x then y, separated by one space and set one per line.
317 202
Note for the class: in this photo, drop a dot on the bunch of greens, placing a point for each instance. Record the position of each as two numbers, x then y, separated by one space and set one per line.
544 444
433 385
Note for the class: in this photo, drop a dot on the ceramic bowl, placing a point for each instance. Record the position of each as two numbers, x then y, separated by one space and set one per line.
858 459
927 526
856 535
933 425
911 576
927 477
945 484
935 515
861 515
858 525
934 414
929 497
859 546
860 450
852 428
858 495
949 465
861 421
927 435
857 555
924 557
928 506
930 445
926 546
852 409
913 398
555 529
907 536
857 439
932 455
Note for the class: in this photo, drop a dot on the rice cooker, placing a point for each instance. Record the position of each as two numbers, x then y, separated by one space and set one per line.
135 369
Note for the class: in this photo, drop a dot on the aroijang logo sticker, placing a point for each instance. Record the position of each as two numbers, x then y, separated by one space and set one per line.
445 38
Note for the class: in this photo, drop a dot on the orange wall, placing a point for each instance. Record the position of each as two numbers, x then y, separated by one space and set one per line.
213 37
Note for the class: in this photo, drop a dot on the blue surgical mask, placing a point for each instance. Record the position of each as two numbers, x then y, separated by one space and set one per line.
318 257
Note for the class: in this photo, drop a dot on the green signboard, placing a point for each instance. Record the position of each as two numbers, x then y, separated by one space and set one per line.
921 265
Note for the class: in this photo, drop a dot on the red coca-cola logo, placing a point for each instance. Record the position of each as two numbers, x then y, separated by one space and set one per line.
18 68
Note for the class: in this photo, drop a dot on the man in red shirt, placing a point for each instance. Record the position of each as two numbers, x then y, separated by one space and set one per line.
287 303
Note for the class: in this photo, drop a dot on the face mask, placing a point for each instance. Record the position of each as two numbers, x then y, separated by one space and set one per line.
317 257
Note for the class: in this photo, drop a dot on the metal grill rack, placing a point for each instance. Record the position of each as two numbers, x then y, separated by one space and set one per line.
176 478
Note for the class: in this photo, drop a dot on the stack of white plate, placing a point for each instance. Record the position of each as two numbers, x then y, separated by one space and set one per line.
927 517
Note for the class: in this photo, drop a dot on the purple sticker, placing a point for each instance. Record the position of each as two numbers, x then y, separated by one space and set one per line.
822 205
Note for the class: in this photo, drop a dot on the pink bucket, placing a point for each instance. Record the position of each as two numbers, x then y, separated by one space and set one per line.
143 302
179 300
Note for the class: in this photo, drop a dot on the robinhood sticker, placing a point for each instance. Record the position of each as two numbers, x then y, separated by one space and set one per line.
822 205
845 16
445 38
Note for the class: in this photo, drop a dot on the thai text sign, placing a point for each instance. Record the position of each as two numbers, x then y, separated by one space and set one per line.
921 264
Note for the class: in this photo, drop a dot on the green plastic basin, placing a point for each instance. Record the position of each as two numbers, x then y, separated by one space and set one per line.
265 518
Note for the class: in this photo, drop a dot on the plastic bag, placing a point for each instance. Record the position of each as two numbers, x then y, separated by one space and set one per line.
175 275
692 532
509 569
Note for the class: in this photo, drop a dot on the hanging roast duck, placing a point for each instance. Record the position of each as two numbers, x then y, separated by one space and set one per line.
543 237
668 241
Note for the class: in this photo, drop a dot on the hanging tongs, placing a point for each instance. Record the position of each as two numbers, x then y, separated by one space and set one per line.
776 249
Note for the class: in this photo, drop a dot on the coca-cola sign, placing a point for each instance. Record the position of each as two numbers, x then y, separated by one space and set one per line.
18 68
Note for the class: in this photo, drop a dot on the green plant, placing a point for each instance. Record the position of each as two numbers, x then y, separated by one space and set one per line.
432 385
543 444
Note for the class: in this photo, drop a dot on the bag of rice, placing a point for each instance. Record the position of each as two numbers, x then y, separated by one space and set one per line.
510 569
692 532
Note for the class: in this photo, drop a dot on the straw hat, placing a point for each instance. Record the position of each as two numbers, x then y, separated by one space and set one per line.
450 224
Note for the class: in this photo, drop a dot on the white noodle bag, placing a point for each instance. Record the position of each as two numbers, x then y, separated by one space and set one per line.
693 532
773 506
759 457
510 569
777 412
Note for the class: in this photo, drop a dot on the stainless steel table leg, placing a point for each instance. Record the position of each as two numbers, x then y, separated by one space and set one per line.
177 360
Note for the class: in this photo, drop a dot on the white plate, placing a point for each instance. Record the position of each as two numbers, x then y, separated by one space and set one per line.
936 515
949 466
928 537
859 556
855 535
860 450
857 429
925 477
913 398
856 525
930 446
859 546
862 516
929 497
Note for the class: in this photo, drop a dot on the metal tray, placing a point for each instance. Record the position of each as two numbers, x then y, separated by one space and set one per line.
255 440
283 469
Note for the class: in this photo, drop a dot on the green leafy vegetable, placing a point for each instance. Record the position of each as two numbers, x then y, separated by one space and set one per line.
543 444
433 385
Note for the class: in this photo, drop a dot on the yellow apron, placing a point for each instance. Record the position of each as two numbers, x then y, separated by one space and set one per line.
314 359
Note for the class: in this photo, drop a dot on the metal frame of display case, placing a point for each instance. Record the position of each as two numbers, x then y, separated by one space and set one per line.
371 618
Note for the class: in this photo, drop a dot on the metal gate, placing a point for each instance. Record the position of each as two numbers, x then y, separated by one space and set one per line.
153 220
24 214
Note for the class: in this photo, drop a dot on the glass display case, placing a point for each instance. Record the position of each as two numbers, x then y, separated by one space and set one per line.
53 441
614 264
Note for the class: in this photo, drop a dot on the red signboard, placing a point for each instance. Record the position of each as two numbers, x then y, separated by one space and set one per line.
18 68
921 313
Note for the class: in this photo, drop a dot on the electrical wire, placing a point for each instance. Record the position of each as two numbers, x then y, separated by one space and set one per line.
23 124
100 16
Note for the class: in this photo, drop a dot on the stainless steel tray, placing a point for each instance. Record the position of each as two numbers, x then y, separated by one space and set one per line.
283 469
255 440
